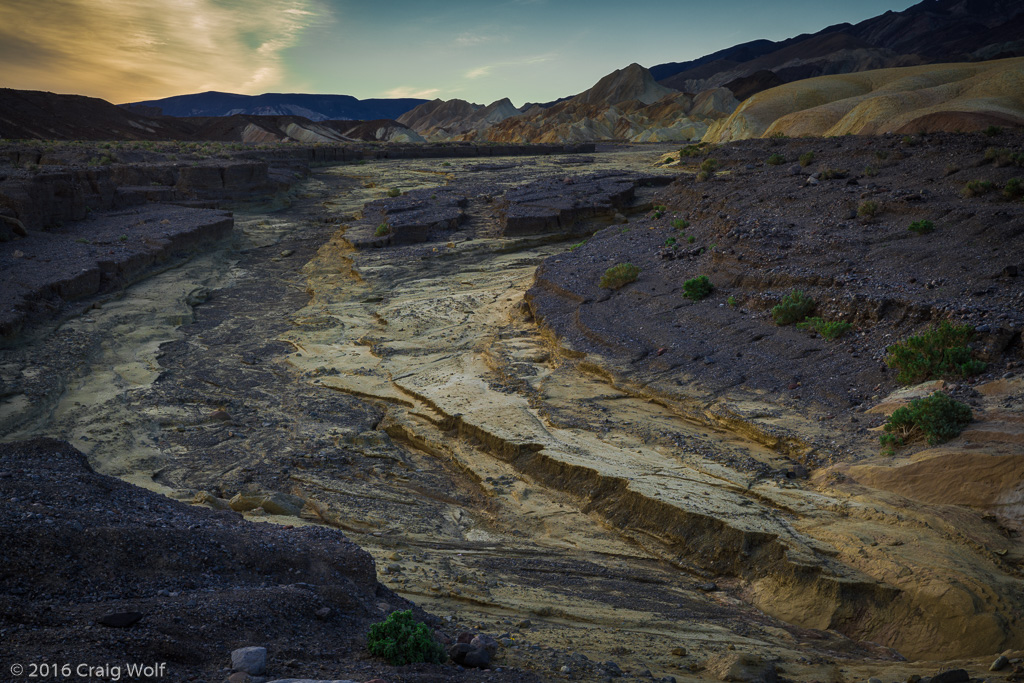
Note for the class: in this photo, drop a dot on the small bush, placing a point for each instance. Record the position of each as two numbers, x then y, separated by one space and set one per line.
807 158
691 239
680 224
921 227
993 131
703 175
691 151
999 156
794 308
394 192
619 275
870 171
1013 189
881 155
671 242
400 639
867 210
732 302
828 329
776 159
910 141
698 288
709 165
574 247
382 229
834 174
976 188
939 352
668 160
938 418
659 211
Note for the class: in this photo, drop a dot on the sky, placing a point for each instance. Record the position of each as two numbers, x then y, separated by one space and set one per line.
481 51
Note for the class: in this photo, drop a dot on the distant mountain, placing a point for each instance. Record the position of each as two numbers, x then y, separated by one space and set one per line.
932 31
30 114
312 107
443 120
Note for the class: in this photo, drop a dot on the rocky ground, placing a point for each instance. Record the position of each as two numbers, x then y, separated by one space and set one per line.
623 489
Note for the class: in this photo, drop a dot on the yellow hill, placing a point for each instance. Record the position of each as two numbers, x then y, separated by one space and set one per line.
933 97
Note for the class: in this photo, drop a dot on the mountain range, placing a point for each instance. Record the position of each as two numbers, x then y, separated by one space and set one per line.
909 59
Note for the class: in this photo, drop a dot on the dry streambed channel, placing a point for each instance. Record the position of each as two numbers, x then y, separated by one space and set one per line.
405 395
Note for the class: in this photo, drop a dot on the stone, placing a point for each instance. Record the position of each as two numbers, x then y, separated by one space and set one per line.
283 504
251 660
119 619
951 676
874 680
477 658
457 652
485 642
999 664
740 666
208 499
612 669
679 651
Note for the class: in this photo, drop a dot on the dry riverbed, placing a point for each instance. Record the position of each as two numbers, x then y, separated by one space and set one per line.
406 396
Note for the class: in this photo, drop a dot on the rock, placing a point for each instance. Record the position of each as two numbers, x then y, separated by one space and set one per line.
485 642
951 676
240 677
612 669
287 252
208 499
251 660
244 502
999 664
457 652
874 680
679 651
323 613
565 669
119 619
283 504
525 623
739 666
477 658
707 586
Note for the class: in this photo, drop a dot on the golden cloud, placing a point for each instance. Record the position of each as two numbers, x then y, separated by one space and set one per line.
128 50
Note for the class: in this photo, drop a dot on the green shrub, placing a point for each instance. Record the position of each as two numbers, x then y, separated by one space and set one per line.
691 151
709 165
680 224
993 131
829 329
938 418
807 158
400 639
668 160
794 308
834 174
698 288
921 227
382 229
394 192
703 175
999 156
691 239
977 187
574 247
732 302
870 171
867 210
910 141
1013 189
776 159
619 275
939 352
659 211
670 242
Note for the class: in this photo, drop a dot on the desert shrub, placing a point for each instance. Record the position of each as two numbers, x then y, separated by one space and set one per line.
659 211
867 210
574 247
977 187
993 131
921 227
794 307
394 192
999 156
691 151
703 175
668 160
671 242
939 352
1013 189
881 154
382 229
910 141
870 171
401 639
680 224
775 159
807 158
834 174
691 239
732 302
709 165
829 329
938 418
698 288
619 275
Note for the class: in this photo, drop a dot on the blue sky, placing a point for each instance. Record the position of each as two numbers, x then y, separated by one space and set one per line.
527 50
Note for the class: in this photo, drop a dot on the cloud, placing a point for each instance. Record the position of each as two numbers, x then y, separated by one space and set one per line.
472 39
479 71
126 50
406 91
